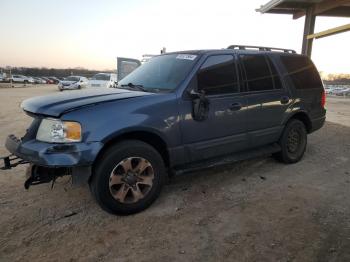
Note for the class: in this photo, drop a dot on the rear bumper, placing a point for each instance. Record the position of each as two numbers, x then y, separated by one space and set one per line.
317 123
53 155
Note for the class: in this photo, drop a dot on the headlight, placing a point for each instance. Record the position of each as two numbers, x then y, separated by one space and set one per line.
57 131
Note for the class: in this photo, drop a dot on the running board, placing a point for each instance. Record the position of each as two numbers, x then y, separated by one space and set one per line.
239 156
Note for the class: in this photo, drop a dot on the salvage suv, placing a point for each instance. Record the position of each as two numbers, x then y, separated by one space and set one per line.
178 112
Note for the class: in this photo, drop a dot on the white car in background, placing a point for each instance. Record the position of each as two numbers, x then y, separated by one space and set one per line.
105 80
19 79
337 90
30 79
73 82
328 89
344 92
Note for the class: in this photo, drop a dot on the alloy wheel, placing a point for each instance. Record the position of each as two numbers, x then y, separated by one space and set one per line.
131 179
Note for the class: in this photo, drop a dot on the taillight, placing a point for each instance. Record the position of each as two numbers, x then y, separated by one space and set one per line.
323 99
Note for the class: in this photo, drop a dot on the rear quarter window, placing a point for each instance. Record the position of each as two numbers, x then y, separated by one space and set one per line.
302 72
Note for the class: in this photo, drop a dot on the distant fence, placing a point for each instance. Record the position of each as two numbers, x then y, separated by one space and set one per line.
19 85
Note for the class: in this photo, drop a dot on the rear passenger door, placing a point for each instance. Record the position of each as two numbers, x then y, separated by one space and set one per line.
267 99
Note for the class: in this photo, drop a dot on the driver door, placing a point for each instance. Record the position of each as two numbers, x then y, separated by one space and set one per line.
223 130
125 66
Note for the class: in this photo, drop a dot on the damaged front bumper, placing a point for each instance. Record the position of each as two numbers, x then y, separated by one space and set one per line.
49 161
11 161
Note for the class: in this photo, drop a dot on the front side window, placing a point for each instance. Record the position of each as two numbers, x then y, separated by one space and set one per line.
258 75
218 75
163 73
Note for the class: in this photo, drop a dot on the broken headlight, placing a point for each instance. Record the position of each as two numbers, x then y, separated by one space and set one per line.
57 131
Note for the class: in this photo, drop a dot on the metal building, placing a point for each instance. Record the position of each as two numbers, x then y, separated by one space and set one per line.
310 9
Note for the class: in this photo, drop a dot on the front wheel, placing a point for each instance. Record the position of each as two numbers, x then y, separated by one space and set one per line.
128 177
293 142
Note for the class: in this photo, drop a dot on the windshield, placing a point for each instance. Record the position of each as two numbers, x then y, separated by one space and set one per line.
163 72
104 77
72 78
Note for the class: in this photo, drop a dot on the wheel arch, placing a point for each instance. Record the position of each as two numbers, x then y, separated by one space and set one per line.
146 136
303 117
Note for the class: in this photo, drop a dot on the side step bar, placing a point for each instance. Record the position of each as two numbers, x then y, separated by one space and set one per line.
244 155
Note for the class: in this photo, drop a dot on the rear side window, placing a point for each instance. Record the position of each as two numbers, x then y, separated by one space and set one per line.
302 72
275 76
218 75
258 75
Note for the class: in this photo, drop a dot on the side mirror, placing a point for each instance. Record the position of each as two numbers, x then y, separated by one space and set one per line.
200 105
196 95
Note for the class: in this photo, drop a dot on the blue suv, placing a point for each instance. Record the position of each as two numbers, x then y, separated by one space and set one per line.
175 113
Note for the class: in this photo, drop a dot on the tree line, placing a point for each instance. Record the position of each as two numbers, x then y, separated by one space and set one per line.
37 72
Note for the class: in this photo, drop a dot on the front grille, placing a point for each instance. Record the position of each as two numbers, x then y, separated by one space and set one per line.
32 129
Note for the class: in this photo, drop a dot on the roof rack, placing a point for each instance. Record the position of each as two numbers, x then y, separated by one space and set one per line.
261 48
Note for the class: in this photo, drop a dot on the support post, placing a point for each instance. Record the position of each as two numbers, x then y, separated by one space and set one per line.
309 28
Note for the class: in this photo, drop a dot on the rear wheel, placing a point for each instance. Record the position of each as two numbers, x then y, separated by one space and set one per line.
128 177
293 142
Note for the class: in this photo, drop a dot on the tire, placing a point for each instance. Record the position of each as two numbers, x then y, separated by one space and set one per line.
110 179
293 142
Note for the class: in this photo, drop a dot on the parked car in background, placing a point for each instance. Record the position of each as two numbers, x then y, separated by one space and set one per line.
328 89
3 77
42 80
19 79
337 90
343 92
106 80
48 80
54 79
30 79
38 80
73 82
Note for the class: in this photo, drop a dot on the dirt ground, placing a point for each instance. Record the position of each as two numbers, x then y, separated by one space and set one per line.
256 210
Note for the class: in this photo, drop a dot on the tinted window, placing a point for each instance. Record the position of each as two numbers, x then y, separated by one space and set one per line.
164 72
302 72
126 67
104 77
72 78
257 72
276 78
218 75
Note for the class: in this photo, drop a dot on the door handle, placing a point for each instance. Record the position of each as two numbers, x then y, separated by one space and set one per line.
284 100
235 106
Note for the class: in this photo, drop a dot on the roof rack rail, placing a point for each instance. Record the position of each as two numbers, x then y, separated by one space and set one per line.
262 48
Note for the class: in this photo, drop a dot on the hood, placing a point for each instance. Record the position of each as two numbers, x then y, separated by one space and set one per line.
56 105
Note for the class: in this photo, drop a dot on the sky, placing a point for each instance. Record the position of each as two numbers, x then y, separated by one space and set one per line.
91 34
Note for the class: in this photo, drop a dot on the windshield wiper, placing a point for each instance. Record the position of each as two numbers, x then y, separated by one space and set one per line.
137 87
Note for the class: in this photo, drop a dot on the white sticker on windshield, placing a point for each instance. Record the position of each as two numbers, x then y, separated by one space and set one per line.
186 57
